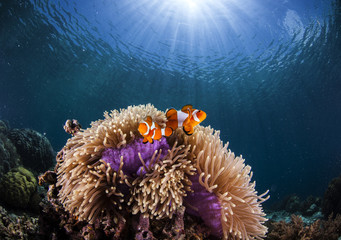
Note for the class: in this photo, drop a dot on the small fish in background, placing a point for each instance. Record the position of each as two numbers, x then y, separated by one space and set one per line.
151 131
187 118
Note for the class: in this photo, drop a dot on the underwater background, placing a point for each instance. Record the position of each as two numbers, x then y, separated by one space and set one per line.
267 73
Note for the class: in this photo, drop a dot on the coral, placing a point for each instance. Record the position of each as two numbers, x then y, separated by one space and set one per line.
9 157
17 227
24 147
72 126
48 177
17 187
293 204
3 126
296 230
56 223
106 175
310 206
35 149
331 203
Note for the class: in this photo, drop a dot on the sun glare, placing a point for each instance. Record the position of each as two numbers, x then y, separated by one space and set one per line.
192 5
189 6
177 28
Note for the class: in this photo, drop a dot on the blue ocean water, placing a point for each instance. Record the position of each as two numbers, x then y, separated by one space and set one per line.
267 73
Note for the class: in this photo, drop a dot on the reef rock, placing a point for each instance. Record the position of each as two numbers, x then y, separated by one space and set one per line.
293 204
3 126
9 157
24 147
35 149
332 198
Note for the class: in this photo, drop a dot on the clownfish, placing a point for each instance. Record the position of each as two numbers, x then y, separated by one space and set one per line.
151 131
187 118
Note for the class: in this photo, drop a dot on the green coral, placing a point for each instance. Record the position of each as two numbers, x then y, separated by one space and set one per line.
17 187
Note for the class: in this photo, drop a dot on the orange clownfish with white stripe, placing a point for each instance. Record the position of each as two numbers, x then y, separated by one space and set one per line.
151 131
187 118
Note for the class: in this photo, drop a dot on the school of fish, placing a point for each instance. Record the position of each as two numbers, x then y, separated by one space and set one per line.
187 118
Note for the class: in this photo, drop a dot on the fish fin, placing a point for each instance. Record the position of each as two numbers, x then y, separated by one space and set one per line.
145 140
151 140
168 131
187 133
172 124
186 107
149 119
171 112
188 129
187 121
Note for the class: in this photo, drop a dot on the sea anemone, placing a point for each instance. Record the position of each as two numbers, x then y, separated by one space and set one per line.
106 171
160 191
224 198
91 185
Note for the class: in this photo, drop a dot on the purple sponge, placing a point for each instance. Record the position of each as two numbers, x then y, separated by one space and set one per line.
132 162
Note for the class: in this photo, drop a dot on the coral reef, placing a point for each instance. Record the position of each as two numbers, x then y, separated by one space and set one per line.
24 147
35 149
56 223
296 230
311 205
293 204
9 158
17 227
108 182
18 188
306 222
332 198
283 215
3 126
